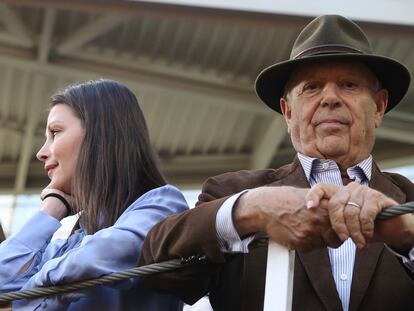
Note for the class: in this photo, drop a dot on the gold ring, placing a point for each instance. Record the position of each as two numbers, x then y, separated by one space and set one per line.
354 204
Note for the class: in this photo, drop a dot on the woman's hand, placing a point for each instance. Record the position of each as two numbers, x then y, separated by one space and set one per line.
59 206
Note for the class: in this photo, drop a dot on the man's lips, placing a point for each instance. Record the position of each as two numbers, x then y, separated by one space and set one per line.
329 122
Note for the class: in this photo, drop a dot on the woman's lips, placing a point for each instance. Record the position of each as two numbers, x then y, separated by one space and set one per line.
49 169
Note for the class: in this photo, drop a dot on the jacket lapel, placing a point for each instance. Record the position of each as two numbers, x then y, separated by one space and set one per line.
318 268
366 259
385 185
365 264
293 175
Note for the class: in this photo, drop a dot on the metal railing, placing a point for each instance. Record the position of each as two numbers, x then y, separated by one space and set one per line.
280 267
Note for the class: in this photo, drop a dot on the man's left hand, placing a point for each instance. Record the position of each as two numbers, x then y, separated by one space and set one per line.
353 209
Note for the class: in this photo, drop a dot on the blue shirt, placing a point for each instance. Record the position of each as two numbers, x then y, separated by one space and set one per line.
83 256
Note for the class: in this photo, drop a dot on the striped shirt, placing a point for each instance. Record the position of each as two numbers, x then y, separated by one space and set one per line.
342 258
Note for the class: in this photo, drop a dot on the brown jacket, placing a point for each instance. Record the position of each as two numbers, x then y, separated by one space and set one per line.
236 282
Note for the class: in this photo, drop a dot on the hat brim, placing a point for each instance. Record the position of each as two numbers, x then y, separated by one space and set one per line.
394 77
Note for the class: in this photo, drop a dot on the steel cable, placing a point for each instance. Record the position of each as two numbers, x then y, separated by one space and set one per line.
397 210
165 266
106 279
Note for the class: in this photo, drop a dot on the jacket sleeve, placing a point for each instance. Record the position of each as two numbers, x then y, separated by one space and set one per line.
193 233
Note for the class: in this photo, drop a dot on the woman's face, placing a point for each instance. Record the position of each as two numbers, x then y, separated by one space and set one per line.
64 136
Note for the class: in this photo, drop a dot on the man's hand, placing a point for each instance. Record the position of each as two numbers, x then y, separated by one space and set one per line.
282 213
397 232
353 210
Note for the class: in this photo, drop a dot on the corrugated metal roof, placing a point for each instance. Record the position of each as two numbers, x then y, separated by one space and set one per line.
192 68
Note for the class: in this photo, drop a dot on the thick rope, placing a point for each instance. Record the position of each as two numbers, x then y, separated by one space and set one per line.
169 265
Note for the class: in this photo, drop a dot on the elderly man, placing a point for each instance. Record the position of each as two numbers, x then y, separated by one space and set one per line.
333 93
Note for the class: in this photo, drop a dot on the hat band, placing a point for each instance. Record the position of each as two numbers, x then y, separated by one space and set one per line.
327 49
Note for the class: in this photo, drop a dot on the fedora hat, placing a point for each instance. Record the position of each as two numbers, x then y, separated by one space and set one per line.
332 37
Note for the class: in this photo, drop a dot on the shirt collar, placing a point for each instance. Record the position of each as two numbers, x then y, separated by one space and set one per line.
362 170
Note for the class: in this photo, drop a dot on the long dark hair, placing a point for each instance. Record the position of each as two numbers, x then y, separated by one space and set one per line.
2 235
116 162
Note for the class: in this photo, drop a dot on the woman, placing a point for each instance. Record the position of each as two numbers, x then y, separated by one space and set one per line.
100 163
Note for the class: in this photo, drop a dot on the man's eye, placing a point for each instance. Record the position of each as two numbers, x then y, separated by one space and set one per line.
311 87
350 85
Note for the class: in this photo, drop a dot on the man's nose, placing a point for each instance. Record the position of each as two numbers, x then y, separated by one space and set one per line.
331 96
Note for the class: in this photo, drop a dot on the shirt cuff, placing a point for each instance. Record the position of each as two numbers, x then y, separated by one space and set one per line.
227 236
407 261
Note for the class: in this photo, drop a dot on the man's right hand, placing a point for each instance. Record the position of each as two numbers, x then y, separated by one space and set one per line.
281 212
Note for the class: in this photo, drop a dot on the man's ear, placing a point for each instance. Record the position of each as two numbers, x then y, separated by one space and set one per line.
381 101
286 111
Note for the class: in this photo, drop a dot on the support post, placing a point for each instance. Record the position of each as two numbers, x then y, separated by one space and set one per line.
279 278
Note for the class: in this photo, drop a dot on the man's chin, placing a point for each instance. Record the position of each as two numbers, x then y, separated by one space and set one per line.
332 150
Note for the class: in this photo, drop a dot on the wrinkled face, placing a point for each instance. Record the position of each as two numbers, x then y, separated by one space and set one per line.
64 136
332 109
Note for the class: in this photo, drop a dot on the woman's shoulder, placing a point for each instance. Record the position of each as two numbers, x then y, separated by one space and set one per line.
167 189
163 195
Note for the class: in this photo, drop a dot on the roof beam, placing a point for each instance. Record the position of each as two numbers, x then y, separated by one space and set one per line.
46 35
5 95
223 95
192 163
269 143
159 66
90 31
395 130
10 125
8 174
192 170
400 116
29 134
14 24
402 136
235 99
393 12
396 162
392 17
12 39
